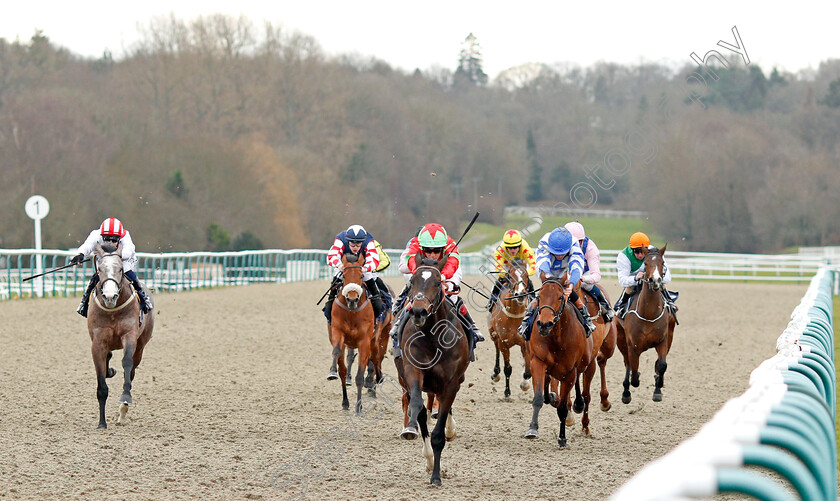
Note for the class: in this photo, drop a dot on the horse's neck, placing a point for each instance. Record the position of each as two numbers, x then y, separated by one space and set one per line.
649 301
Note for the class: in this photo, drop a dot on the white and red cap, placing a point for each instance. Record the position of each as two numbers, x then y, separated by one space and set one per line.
112 226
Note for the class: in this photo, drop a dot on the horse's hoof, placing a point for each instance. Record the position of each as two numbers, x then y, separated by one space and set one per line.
122 413
435 482
561 442
332 375
452 437
507 394
495 378
126 399
606 407
409 433
532 433
110 372
577 407
345 406
625 399
657 397
434 413
102 426
348 381
372 392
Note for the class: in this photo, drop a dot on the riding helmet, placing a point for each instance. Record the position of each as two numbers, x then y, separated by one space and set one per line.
576 229
356 233
112 226
559 241
639 239
512 239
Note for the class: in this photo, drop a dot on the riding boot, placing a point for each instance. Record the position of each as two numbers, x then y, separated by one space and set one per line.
396 332
329 303
400 302
376 301
145 302
585 319
669 302
620 304
494 296
384 293
528 320
83 306
606 309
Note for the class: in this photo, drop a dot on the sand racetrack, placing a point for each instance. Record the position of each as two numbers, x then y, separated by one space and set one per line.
231 402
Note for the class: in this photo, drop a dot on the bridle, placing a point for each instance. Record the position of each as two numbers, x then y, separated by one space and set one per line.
650 281
119 282
557 312
435 304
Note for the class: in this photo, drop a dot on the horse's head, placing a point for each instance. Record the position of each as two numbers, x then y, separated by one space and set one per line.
655 268
351 287
109 267
551 302
519 280
425 292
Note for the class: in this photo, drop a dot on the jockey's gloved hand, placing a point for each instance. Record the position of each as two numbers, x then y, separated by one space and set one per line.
77 259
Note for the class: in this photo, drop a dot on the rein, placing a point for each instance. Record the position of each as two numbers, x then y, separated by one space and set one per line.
563 302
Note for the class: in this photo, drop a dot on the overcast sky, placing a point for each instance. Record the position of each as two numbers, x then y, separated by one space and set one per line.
422 34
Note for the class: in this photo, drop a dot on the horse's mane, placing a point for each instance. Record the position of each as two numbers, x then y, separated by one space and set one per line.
351 258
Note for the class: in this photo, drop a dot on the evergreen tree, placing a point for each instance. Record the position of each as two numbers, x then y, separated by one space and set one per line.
832 98
470 63
534 188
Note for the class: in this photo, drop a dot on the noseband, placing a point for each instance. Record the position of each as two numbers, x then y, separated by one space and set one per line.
655 284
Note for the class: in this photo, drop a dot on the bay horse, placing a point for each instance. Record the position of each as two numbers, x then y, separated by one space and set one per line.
604 340
352 325
435 356
378 348
560 350
647 324
114 322
504 320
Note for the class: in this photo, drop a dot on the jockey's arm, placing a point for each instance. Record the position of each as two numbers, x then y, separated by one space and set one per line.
371 257
593 260
625 277
127 246
90 243
528 256
667 278
335 253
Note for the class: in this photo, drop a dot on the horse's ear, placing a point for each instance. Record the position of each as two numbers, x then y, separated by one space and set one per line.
361 259
418 260
662 250
442 263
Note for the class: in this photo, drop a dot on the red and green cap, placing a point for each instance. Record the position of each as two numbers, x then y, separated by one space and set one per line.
432 236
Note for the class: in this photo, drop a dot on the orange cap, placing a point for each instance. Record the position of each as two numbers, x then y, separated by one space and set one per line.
639 239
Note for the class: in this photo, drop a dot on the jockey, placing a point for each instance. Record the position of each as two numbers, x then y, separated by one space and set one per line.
513 247
354 240
406 273
630 265
559 253
592 267
112 231
432 242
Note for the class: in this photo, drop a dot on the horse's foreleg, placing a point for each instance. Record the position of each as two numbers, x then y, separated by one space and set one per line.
508 370
364 358
578 407
109 372
625 395
526 357
538 368
563 409
351 356
128 370
605 394
338 353
659 368
438 441
633 358
587 396
100 366
415 409
497 369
